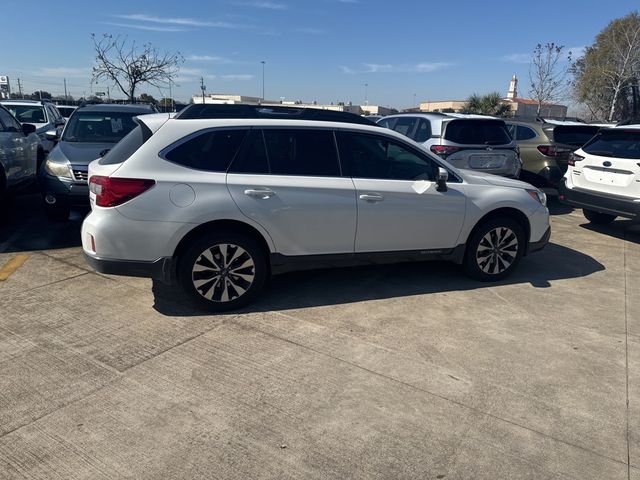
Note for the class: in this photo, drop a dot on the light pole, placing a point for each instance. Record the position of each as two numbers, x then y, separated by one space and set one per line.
414 101
203 87
366 101
263 62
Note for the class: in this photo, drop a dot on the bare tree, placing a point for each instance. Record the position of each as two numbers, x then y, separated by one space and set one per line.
548 74
128 67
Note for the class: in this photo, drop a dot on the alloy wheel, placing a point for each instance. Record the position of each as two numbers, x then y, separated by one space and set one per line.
497 250
223 272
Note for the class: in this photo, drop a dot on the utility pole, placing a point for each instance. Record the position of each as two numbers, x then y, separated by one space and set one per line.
366 101
203 87
65 89
263 62
20 88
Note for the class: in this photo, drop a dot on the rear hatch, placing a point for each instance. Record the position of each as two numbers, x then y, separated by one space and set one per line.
610 163
483 144
568 138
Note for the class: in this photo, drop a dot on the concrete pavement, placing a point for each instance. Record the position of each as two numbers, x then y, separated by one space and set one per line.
400 371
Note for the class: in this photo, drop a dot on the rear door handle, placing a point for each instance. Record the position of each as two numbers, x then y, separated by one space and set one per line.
371 197
262 193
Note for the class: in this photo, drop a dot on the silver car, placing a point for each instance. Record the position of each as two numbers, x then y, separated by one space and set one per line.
472 142
220 197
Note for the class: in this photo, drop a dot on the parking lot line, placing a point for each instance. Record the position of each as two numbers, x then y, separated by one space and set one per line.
12 265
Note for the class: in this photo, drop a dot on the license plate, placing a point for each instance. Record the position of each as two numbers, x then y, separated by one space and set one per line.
486 161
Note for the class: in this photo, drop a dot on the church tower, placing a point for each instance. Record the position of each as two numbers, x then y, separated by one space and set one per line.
513 88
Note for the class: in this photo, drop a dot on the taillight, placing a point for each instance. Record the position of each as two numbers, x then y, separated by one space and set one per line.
573 158
444 150
111 192
548 150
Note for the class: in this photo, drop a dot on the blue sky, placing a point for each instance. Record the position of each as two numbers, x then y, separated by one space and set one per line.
322 50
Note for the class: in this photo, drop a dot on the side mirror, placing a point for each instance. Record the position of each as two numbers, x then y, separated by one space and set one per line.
52 135
28 128
441 180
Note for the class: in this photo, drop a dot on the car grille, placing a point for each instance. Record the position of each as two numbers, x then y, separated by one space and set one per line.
80 174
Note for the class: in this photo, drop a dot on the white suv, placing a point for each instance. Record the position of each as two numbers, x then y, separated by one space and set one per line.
218 203
603 177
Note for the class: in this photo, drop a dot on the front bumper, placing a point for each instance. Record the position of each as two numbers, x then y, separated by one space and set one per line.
67 192
160 269
599 202
540 244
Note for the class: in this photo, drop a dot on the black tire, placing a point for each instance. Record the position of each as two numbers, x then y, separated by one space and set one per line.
494 249
56 213
597 217
206 278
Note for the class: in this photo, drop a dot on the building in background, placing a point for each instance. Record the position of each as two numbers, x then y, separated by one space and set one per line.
442 106
527 107
5 87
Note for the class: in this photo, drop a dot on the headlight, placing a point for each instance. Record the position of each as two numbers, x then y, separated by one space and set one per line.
57 169
538 196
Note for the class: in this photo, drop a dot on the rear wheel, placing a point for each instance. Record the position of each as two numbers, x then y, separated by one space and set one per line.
223 271
494 249
597 217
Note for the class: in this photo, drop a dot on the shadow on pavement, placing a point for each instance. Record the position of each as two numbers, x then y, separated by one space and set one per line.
628 230
557 208
349 285
26 227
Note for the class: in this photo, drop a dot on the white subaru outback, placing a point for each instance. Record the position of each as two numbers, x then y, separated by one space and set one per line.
603 177
220 197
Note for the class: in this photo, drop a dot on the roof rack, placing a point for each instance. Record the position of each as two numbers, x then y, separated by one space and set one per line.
211 111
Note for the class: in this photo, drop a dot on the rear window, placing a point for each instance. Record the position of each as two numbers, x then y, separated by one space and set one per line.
615 143
213 150
574 135
127 146
477 132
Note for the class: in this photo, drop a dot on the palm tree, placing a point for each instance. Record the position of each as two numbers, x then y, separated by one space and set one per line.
489 104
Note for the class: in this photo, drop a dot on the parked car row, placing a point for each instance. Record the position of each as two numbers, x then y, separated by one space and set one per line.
219 197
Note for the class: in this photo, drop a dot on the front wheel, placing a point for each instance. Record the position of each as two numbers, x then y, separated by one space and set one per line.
223 271
494 249
597 217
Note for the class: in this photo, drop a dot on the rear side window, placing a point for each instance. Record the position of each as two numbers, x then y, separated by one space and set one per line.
212 151
525 133
405 126
127 146
574 135
302 152
477 132
423 131
615 143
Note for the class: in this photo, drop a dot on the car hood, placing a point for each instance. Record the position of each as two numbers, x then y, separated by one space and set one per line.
79 153
475 177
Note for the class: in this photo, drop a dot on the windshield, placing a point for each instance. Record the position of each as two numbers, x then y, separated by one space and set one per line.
615 143
98 127
28 113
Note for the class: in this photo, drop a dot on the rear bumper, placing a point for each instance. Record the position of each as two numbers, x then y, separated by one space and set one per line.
599 202
160 269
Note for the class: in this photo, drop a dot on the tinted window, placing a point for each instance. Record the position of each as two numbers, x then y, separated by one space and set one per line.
99 127
301 152
525 133
405 125
126 147
387 122
66 111
575 135
615 143
511 128
212 151
477 132
423 132
7 122
370 156
254 157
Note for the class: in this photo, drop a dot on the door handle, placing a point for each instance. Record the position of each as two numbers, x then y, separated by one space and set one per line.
262 193
371 197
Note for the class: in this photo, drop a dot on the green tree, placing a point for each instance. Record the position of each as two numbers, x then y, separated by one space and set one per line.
146 98
489 104
605 76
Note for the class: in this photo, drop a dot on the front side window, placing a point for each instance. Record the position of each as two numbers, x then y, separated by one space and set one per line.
213 150
372 156
615 143
388 122
28 113
99 127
